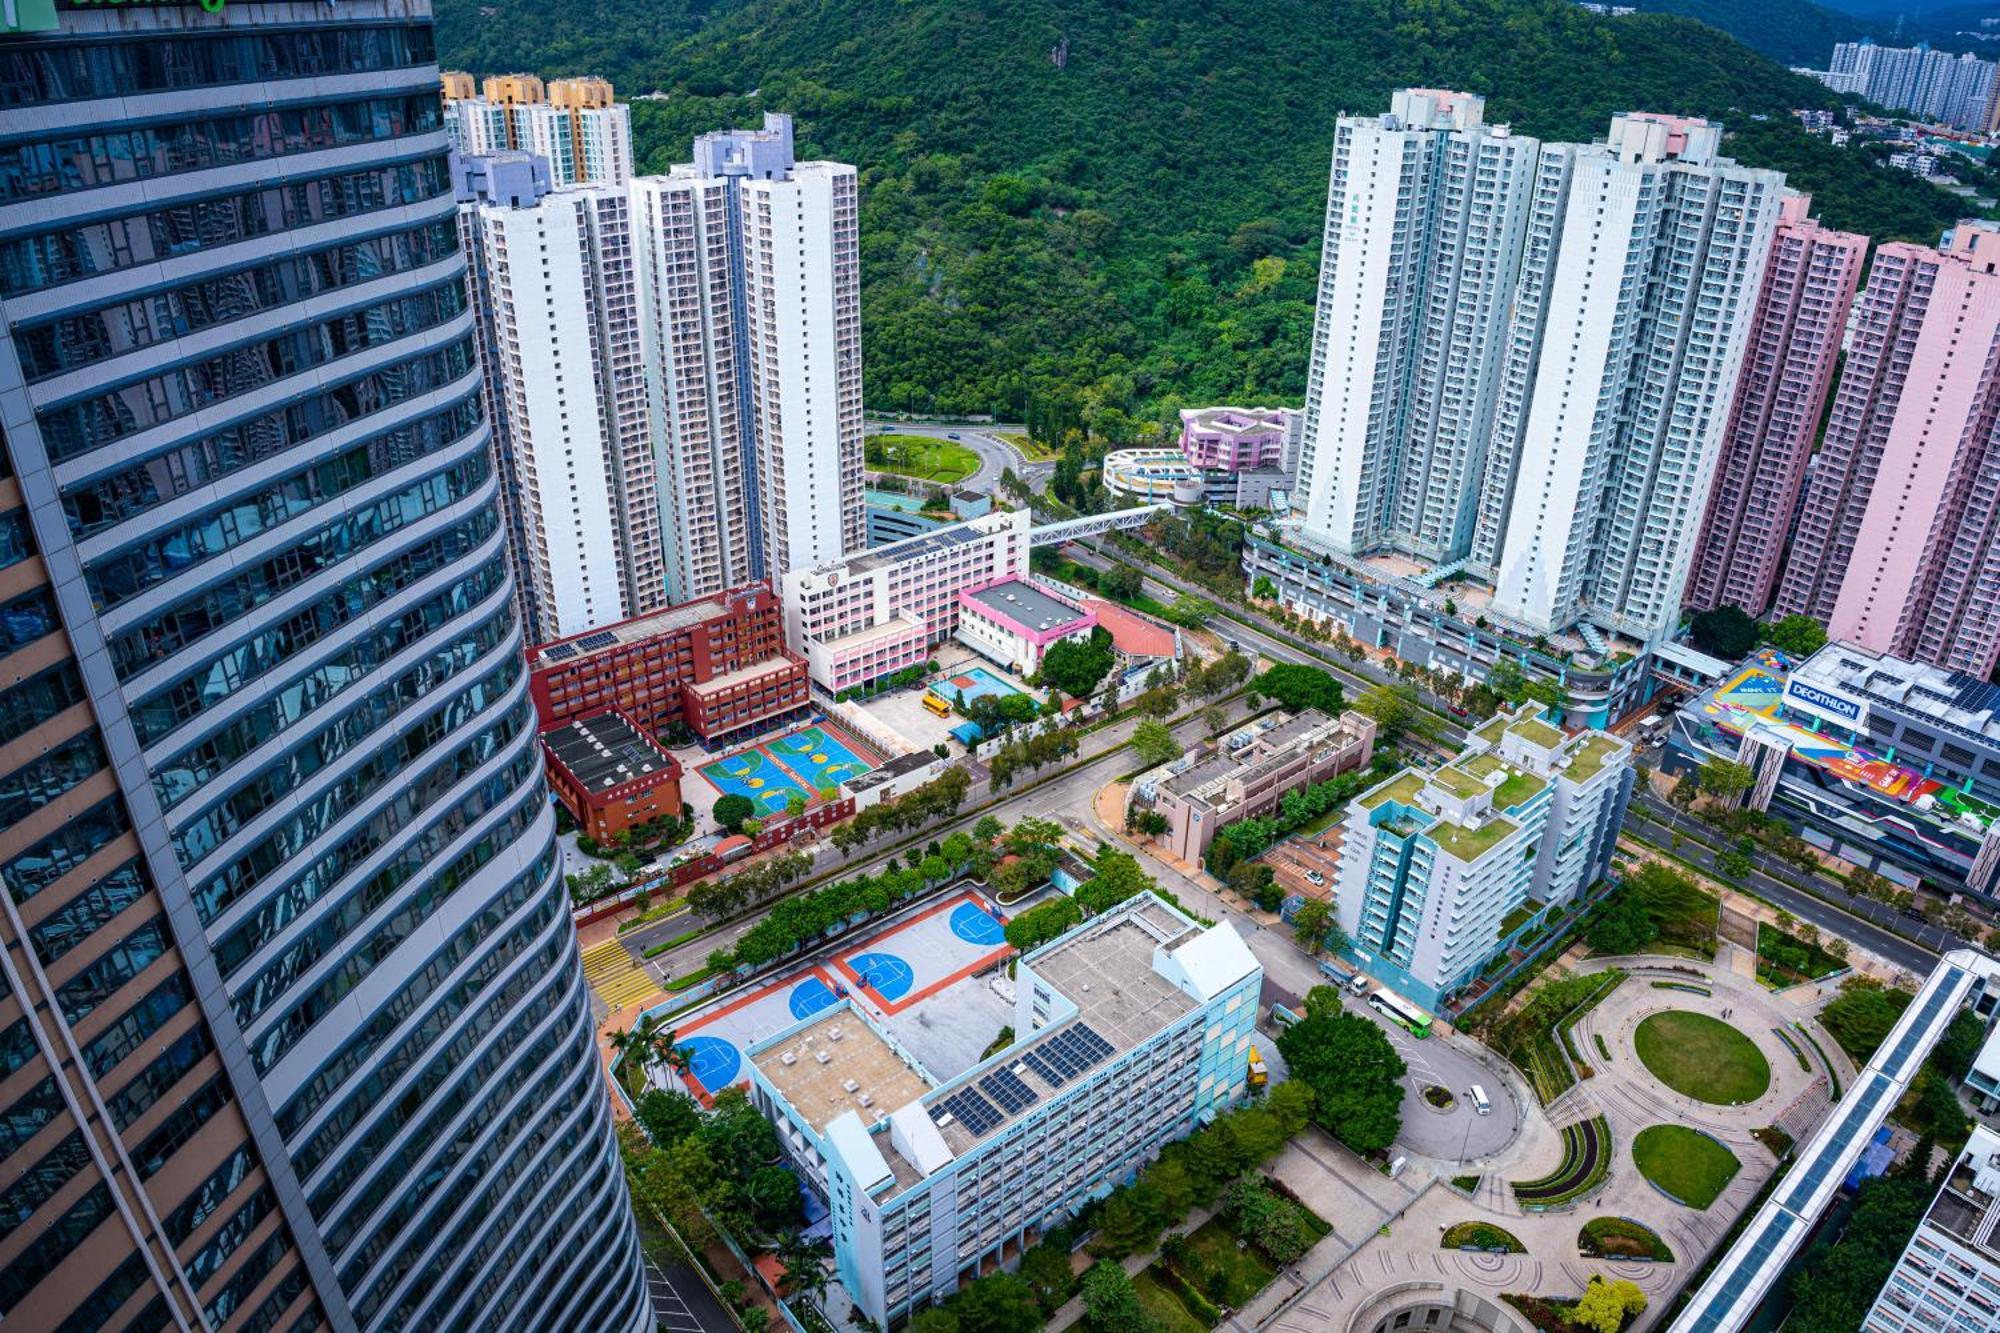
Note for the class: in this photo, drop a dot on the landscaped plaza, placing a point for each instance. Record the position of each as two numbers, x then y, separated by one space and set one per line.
1634 1172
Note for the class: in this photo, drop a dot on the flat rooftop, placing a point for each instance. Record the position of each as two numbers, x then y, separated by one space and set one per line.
604 750
930 543
1023 604
1951 699
650 626
1236 420
840 1063
770 666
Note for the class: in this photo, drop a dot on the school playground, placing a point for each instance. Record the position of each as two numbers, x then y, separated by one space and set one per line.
806 760
885 973
972 683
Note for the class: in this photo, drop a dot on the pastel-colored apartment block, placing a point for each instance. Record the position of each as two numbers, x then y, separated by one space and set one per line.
1801 314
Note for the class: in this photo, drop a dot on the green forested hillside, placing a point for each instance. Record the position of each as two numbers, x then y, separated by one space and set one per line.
1797 32
1136 227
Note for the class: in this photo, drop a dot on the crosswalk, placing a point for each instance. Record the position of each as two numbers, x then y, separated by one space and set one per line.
616 976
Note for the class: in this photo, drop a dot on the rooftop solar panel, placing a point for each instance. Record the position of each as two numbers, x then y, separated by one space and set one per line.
973 1111
557 652
1039 1060
1005 1087
591 643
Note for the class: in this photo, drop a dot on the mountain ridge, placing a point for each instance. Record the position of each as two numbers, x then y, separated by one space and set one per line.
1137 228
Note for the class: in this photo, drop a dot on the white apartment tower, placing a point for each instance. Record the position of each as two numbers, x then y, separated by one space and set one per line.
575 124
1637 291
749 265
1424 225
559 312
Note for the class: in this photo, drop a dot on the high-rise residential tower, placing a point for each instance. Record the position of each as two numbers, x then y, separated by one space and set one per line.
294 1032
575 124
1888 317
1780 399
1923 578
1424 225
1957 89
1649 252
559 317
749 270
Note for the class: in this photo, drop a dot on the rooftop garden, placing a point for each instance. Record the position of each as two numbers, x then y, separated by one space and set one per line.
1479 765
1469 844
1458 782
1515 919
1537 732
1518 787
1402 789
1587 758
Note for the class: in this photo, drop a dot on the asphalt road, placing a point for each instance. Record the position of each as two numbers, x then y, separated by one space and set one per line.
1873 925
1251 630
1918 956
1070 794
995 454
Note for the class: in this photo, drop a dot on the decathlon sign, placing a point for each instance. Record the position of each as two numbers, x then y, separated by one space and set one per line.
1828 705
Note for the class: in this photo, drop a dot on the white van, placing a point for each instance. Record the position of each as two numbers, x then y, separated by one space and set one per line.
1479 1102
1358 986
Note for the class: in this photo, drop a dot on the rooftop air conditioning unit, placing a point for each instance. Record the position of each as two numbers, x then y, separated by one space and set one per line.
788 1058
834 1034
849 1085
945 1119
865 1099
821 1056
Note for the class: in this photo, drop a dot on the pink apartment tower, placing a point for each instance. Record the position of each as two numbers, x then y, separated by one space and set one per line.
1801 313
1921 575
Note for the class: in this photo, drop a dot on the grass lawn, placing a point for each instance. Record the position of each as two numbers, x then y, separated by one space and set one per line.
1690 1166
1032 450
1616 1237
1242 1272
1169 1315
1482 1234
921 456
1702 1057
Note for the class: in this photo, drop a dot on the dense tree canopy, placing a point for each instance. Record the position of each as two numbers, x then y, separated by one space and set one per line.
1726 632
1093 243
1075 666
1352 1070
1299 686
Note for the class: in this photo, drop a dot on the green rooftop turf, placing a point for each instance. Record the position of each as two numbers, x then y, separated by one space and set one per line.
1402 789
1469 844
1537 732
1517 788
1590 756
1458 782
1479 765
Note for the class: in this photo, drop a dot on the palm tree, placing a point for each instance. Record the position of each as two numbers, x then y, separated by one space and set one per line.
804 1262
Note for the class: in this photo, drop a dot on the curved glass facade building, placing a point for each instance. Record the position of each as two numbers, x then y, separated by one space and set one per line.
295 1033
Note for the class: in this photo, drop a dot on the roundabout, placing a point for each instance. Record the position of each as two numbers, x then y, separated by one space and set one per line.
1702 1057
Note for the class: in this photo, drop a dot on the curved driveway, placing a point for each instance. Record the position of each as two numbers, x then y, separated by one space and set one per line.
995 454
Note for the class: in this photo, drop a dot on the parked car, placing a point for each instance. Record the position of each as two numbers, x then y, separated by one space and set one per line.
1314 878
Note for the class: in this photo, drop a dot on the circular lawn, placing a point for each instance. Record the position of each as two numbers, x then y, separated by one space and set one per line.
1702 1057
1684 1164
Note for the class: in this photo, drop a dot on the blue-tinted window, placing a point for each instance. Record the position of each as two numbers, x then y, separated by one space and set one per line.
78 250
112 969
53 1246
35 73
136 1024
88 912
40 697
65 849
71 342
110 154
33 785
85 424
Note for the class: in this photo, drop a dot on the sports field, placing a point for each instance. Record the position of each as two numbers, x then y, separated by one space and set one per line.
806 761
924 954
886 973
969 684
